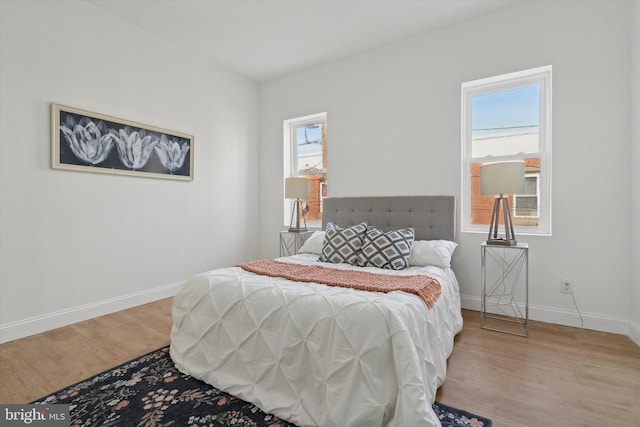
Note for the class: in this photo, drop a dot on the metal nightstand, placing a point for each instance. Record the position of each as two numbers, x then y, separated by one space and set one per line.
291 242
506 295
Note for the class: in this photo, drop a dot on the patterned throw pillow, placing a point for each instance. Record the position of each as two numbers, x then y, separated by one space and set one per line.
389 250
342 244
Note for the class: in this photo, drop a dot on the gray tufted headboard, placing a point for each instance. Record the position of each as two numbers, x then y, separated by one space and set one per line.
432 217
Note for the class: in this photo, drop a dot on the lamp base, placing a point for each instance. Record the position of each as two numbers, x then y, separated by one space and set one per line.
294 226
509 238
501 242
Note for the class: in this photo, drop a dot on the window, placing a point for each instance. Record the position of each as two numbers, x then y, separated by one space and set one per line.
507 118
305 155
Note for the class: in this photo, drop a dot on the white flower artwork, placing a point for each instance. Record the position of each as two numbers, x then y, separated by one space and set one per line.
90 143
134 147
82 140
171 153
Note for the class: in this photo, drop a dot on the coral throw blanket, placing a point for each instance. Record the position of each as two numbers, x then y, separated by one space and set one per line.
424 286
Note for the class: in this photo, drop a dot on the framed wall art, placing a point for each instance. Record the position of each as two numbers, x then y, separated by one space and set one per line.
92 142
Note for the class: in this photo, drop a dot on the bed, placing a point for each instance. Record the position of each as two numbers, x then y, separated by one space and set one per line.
320 355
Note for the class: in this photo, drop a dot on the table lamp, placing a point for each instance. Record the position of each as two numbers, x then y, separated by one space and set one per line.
501 178
297 188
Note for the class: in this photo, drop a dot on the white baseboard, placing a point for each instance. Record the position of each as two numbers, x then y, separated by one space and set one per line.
634 332
35 325
593 321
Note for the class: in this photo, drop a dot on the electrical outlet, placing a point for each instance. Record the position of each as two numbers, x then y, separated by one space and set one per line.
565 286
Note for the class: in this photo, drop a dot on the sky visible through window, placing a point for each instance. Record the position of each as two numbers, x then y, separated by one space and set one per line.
505 112
309 139
309 144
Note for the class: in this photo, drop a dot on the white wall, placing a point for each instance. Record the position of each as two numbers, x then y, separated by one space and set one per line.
394 128
635 161
77 244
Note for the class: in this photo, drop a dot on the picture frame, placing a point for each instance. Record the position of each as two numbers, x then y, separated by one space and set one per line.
85 141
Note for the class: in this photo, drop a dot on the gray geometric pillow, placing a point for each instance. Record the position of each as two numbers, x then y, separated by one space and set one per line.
390 250
342 244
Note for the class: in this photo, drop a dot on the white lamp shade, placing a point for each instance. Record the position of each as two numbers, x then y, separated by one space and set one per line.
297 188
502 178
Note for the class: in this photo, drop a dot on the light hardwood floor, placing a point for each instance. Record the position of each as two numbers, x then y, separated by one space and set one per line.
558 376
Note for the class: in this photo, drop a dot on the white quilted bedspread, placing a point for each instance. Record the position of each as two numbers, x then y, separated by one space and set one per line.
317 355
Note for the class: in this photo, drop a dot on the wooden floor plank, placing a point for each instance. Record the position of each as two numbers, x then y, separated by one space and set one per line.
559 376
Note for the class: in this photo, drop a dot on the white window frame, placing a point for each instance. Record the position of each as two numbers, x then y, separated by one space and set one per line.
537 76
290 154
288 131
537 196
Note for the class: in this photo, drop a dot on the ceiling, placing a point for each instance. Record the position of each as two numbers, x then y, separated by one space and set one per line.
266 39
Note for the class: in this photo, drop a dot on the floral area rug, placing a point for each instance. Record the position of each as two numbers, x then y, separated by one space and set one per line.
150 392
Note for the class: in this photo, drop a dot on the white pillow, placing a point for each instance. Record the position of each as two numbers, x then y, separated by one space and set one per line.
313 245
432 252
